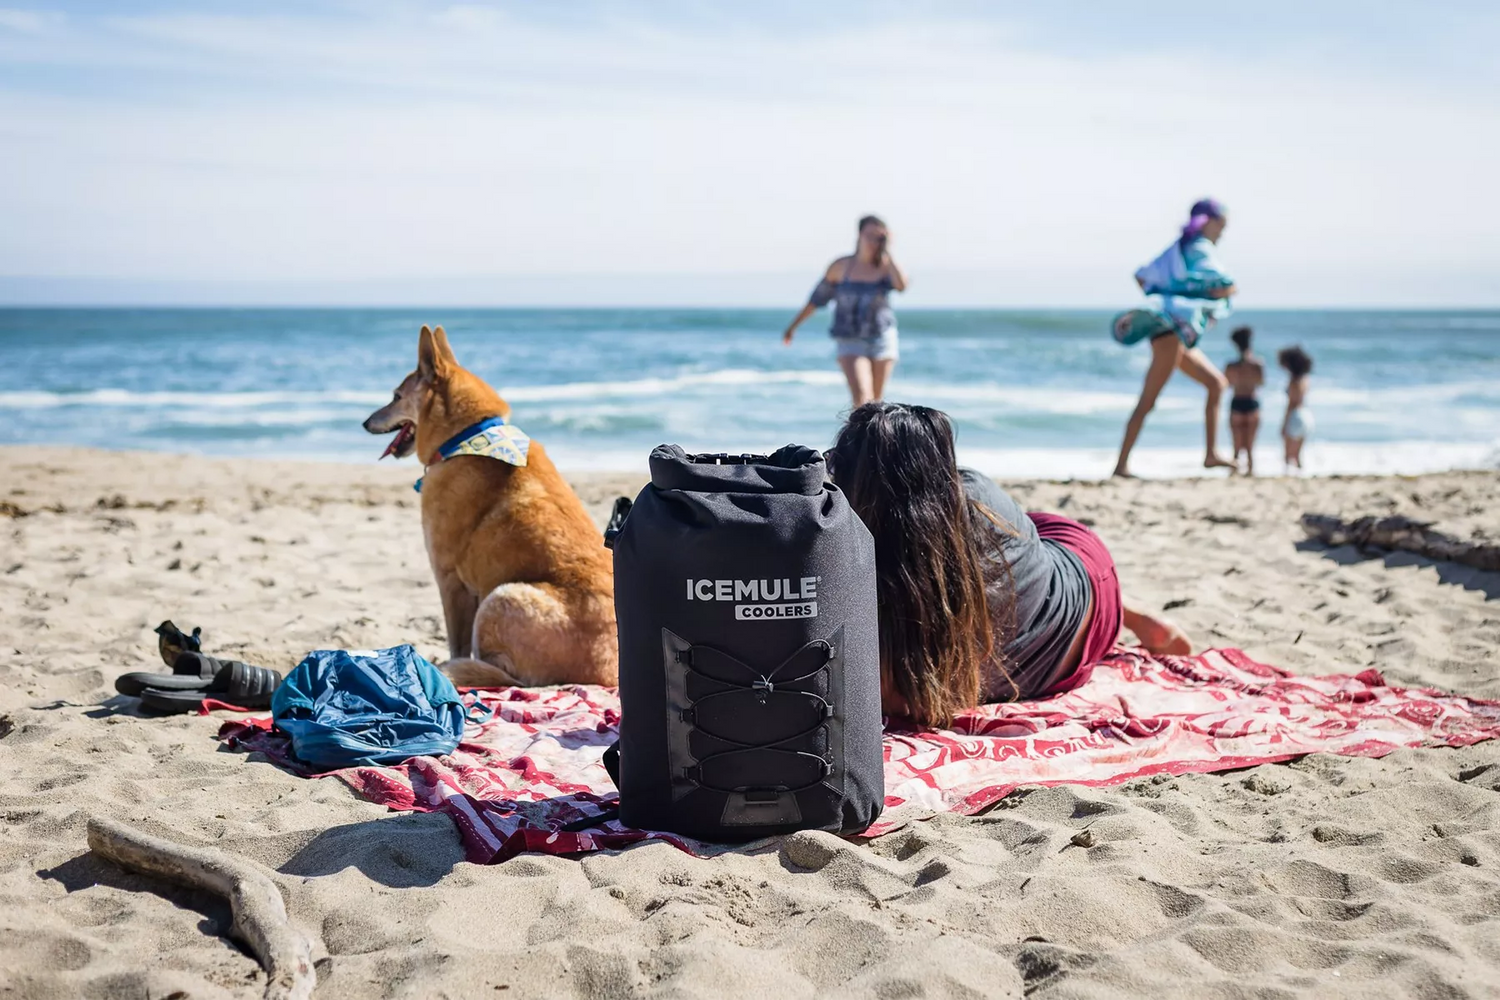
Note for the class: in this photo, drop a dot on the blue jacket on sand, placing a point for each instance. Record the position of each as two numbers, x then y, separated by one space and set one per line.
345 708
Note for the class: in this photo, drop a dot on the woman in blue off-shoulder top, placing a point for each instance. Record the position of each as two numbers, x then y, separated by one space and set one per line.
864 324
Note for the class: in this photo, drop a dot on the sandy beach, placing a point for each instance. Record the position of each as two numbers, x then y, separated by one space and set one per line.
1326 877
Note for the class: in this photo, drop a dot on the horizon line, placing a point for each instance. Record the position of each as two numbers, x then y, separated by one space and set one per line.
691 307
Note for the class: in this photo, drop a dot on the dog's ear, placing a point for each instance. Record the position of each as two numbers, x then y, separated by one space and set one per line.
430 359
444 357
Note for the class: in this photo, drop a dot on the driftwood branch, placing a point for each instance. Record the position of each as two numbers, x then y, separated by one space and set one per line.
1401 533
259 914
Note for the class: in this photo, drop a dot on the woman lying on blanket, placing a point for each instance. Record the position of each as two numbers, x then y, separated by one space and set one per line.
979 601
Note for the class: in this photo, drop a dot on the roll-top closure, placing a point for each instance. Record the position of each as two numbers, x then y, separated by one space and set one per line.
794 468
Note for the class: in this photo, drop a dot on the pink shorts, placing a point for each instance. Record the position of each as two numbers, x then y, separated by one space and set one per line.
1109 608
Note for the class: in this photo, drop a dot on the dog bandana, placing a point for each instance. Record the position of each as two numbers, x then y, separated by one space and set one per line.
492 438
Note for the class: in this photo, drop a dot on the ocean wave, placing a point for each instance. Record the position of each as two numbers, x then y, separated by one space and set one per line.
660 386
1481 392
1320 459
38 400
35 400
1011 397
1028 398
181 420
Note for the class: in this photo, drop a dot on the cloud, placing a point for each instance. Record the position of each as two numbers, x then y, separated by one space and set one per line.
29 22
400 142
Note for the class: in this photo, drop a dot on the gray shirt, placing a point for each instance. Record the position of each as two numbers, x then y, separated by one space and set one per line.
1052 597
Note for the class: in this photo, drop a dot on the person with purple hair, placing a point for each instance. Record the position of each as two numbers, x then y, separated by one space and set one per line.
1190 292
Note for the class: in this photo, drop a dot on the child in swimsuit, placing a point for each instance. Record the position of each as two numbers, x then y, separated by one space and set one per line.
1245 375
1299 421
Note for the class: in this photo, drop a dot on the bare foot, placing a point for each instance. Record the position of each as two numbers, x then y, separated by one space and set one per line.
1158 635
1215 462
1120 473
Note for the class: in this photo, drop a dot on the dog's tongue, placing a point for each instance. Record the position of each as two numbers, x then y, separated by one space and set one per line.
396 442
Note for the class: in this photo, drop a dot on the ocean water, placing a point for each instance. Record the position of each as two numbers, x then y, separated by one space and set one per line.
1033 393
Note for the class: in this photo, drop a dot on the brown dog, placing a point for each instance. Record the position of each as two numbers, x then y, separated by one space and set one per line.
526 582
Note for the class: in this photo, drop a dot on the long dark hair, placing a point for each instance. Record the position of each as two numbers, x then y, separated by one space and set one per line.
869 220
935 554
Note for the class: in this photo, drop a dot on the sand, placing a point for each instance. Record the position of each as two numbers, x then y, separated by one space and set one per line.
1327 877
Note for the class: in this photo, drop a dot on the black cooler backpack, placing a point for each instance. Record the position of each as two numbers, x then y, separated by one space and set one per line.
749 650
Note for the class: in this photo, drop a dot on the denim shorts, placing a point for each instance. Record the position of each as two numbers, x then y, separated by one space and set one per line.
885 347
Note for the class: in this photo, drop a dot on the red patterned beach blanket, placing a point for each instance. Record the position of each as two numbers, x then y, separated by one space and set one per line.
535 767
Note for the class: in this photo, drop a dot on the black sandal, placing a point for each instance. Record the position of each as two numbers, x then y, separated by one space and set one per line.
235 683
191 671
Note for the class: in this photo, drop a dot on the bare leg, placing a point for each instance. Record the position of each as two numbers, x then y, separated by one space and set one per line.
1196 366
1165 352
1239 430
1295 450
1251 431
857 372
1157 635
880 371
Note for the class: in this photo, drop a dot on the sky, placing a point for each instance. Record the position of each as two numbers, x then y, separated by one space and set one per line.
529 153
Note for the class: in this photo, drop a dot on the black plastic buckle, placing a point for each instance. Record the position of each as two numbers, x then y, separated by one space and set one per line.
762 687
617 521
